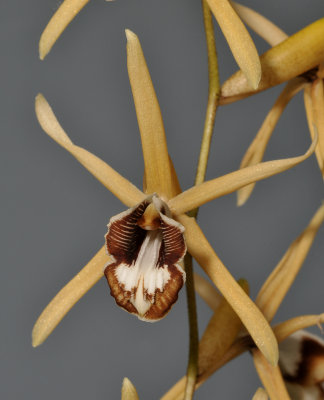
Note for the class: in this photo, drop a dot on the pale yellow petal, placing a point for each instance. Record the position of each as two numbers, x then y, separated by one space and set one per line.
255 152
207 292
68 296
124 190
128 391
238 39
312 124
270 377
158 177
210 190
260 394
221 331
60 20
280 280
299 53
287 328
266 29
318 104
199 247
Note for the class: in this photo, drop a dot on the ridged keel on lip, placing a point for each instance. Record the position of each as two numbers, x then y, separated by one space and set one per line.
145 276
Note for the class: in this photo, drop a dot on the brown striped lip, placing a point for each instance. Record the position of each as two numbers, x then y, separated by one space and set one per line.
146 246
302 365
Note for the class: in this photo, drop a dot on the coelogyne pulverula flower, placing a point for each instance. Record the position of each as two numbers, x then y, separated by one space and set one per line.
145 243
146 246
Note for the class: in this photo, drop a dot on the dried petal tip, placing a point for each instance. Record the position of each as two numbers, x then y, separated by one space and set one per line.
128 391
144 275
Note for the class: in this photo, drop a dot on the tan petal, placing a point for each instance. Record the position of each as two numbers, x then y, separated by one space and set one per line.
318 104
239 346
124 190
207 292
60 20
68 296
238 39
210 190
299 53
287 328
280 280
266 29
250 315
260 394
128 391
158 176
219 335
255 152
312 124
270 377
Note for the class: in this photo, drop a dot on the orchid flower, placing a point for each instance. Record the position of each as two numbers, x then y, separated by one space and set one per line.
236 34
297 59
146 243
221 345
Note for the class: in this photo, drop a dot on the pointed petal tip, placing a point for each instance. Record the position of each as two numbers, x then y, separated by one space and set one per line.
130 35
241 198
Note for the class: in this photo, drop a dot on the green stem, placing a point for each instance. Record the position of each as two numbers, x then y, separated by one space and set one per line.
213 96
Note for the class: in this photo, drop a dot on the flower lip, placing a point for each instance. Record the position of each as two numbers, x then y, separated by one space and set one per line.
146 247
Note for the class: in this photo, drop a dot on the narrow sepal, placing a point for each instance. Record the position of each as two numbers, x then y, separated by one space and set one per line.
266 29
239 40
124 190
256 150
158 175
59 21
250 315
282 277
270 376
70 294
210 190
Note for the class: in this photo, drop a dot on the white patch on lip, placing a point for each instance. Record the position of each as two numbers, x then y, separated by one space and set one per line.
144 277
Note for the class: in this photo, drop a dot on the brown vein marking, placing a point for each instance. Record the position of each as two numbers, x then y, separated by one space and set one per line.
312 352
122 297
125 237
173 246
163 301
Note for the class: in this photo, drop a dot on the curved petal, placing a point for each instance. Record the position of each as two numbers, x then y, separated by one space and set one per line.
128 391
60 20
68 296
271 377
299 53
221 331
309 108
239 40
266 29
318 104
250 315
280 280
158 177
256 150
210 190
287 328
124 190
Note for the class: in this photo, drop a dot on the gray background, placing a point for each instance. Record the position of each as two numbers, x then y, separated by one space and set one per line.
55 213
